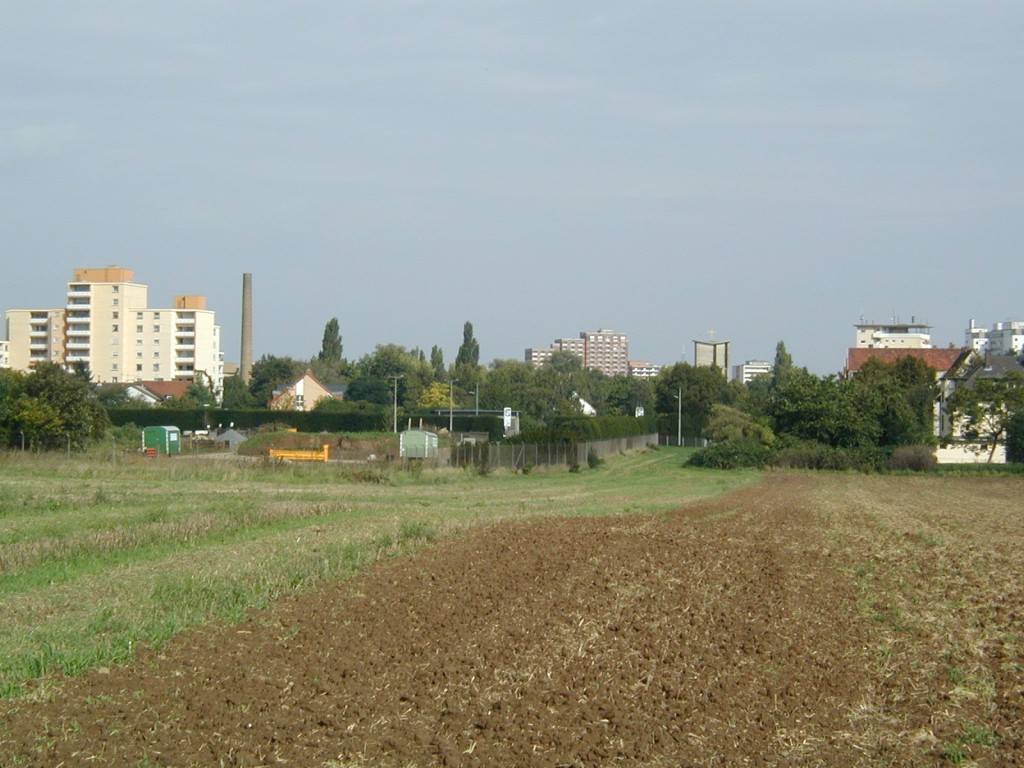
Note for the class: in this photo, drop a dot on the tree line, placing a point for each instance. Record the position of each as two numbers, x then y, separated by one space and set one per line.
790 417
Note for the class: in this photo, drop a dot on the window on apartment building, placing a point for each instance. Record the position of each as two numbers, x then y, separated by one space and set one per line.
138 315
117 289
138 367
115 302
138 355
115 315
156 329
156 355
138 342
113 367
114 328
138 329
156 368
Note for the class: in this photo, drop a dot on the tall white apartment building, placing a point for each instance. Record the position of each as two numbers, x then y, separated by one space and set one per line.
1006 338
108 327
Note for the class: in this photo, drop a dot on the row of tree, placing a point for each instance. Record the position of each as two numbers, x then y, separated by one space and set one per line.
883 406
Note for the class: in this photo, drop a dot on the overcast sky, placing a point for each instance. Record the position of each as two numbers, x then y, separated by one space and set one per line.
771 170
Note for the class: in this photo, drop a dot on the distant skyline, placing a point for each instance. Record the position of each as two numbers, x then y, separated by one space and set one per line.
770 171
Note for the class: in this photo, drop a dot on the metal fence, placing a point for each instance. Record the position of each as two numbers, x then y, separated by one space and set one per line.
518 457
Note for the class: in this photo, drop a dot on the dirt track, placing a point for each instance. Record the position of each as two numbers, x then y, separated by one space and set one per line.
730 633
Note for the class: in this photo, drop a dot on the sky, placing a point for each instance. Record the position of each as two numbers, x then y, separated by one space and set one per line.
748 171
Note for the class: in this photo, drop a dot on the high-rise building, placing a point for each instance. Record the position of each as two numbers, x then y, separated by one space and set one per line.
108 327
604 350
1006 338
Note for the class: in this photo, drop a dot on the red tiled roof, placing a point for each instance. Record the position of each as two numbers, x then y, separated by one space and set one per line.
166 389
941 360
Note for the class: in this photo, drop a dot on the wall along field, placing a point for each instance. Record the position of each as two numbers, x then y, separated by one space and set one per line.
636 614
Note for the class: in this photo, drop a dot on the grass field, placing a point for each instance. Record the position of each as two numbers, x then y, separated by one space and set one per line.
98 556
635 614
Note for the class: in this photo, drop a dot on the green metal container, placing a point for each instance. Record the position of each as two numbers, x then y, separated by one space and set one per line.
165 440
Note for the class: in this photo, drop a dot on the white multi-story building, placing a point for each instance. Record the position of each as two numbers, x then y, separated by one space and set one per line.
976 337
1006 338
746 372
5 356
108 327
642 369
894 335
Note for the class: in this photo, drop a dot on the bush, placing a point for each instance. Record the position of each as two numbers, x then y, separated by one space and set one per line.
913 458
802 454
593 460
732 454
1015 438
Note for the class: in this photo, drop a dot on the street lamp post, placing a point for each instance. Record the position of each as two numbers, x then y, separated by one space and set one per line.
477 393
394 416
451 407
679 418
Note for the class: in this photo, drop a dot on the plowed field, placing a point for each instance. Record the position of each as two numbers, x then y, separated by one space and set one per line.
807 621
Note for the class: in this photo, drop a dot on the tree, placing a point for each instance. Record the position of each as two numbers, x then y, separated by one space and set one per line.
330 347
50 407
727 423
1015 438
783 365
823 410
270 373
370 389
437 362
627 393
389 360
113 396
900 397
434 397
983 410
700 387
469 350
237 395
557 386
508 383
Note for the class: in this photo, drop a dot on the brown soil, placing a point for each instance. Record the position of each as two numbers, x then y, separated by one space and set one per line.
734 632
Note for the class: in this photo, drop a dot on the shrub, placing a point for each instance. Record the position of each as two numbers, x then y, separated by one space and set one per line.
913 458
593 460
732 454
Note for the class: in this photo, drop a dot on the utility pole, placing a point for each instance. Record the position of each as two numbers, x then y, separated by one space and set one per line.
679 418
394 416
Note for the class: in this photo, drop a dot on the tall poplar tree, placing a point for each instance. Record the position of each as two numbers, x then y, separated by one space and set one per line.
330 348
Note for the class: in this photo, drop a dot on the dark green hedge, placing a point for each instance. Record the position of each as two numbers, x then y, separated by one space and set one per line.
374 419
586 429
